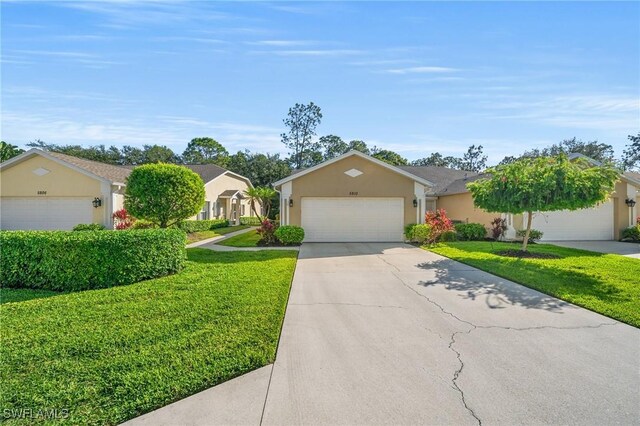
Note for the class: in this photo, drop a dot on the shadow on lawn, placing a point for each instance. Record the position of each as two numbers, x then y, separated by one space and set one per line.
499 293
562 252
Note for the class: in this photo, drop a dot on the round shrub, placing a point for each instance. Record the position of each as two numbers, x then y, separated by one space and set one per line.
631 233
89 227
421 233
163 193
534 235
408 231
470 231
290 234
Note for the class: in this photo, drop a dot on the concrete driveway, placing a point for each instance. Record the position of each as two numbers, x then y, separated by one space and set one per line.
615 247
392 334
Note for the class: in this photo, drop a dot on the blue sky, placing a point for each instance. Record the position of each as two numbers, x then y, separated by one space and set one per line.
412 77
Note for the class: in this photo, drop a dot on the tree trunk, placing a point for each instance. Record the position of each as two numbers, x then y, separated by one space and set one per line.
525 241
253 207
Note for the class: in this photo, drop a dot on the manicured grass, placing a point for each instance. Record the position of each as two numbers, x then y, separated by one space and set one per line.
248 239
605 283
199 236
9 295
113 354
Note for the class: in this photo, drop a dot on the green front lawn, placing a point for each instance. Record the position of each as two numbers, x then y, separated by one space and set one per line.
203 235
248 239
113 354
8 295
605 283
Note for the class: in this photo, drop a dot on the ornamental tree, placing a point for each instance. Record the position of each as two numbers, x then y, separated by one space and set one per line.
262 196
163 193
543 184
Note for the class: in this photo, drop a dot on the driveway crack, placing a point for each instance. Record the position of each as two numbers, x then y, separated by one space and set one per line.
456 374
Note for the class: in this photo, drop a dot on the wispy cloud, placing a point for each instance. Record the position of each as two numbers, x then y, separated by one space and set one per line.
188 39
282 43
318 52
421 70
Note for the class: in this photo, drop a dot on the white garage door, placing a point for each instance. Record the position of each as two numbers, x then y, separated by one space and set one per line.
44 213
585 224
352 219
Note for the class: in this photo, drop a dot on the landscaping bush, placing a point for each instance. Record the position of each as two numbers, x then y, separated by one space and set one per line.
470 231
290 235
534 235
421 233
143 224
250 220
122 219
498 228
71 261
439 223
202 225
448 236
408 231
632 233
89 227
267 232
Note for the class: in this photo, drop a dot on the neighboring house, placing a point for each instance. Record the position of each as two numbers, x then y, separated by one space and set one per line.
355 197
48 190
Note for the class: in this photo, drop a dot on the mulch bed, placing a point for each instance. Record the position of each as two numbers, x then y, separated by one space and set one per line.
526 254
261 243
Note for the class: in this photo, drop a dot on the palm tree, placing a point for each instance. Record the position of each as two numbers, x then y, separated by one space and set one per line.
262 196
8 151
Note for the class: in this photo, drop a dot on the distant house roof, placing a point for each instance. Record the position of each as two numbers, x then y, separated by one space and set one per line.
106 171
442 177
207 172
632 176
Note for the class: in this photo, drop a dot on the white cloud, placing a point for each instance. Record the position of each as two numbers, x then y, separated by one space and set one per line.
322 52
282 43
421 70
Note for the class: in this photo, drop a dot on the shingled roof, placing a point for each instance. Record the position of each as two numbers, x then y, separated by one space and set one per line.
109 172
442 177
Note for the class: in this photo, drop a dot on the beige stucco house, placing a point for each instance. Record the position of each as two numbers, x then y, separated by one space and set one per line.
355 197
48 190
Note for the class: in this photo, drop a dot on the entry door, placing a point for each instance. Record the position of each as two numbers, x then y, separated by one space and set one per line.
346 219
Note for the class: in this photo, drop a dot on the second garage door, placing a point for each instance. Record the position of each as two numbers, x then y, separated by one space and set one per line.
44 212
586 224
344 219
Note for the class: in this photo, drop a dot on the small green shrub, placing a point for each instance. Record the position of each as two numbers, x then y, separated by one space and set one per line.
408 231
250 220
202 225
470 231
289 234
534 235
72 261
143 224
89 227
448 236
421 233
632 233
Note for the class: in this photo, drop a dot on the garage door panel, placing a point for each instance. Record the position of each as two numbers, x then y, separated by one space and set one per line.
25 213
327 219
586 224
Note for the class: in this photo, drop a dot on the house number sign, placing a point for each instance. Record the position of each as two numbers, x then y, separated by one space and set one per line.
353 193
42 192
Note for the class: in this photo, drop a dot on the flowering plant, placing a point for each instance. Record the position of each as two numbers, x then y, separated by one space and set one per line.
122 219
439 223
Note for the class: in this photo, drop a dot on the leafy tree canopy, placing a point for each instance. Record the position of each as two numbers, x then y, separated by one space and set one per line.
631 154
163 193
302 121
598 151
205 151
389 157
332 146
261 169
543 184
8 151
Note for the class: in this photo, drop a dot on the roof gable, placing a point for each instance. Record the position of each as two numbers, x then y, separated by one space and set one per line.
359 154
101 171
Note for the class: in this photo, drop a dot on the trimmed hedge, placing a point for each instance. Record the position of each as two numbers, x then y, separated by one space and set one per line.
89 227
632 233
470 231
202 225
250 220
290 234
72 261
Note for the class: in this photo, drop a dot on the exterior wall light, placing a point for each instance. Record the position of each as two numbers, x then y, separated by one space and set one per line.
290 202
97 202
630 202
415 202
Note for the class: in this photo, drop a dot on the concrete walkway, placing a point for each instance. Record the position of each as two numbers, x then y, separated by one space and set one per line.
615 247
212 243
392 334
